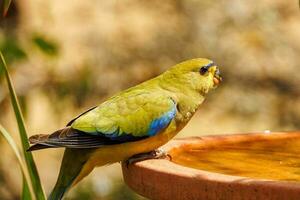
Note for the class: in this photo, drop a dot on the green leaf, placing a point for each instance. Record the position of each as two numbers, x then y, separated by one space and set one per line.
26 194
27 186
31 167
45 45
6 4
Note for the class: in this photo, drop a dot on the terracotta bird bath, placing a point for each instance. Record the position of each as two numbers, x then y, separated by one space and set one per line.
260 166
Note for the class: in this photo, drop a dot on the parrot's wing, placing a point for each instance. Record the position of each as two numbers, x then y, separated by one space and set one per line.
138 115
116 121
70 122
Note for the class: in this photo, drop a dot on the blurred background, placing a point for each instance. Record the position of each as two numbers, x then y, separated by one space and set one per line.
67 56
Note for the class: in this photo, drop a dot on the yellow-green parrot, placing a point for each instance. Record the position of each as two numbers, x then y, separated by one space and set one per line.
135 121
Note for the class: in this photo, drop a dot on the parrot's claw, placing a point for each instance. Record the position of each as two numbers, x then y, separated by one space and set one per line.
155 154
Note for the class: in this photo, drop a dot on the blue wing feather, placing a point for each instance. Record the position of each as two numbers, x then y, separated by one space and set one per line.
162 122
123 138
154 127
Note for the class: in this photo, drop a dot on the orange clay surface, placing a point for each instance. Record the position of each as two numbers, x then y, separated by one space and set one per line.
269 157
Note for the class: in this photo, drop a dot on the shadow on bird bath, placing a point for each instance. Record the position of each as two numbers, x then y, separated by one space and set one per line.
245 166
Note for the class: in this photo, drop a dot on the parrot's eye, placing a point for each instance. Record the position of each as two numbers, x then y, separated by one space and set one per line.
203 70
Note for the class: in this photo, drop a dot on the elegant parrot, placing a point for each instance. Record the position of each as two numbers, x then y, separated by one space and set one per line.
131 123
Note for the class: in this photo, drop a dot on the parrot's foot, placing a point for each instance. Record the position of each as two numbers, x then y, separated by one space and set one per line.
155 154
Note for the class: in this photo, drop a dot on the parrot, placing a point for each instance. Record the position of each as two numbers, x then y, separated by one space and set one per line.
130 125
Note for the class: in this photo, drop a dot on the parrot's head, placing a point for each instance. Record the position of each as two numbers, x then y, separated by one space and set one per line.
198 74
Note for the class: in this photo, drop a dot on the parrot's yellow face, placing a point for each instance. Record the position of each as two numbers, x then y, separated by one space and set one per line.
198 74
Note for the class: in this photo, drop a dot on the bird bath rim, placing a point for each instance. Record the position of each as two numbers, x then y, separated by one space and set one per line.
163 179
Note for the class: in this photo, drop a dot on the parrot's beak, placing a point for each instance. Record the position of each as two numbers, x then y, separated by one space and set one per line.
217 77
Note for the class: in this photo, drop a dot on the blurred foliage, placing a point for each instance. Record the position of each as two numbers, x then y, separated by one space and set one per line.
97 48
31 180
46 46
89 192
27 192
4 7
122 191
12 49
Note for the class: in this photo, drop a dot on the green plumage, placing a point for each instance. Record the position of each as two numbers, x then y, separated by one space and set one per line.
133 110
137 120
131 114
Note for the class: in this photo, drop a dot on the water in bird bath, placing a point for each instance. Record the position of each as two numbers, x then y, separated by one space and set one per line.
262 158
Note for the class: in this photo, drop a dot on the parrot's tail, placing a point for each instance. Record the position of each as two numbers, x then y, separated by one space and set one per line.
72 170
